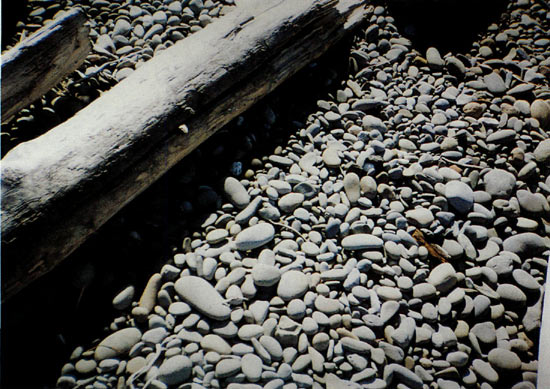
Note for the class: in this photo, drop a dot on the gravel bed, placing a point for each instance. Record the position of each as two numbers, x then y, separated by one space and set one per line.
399 238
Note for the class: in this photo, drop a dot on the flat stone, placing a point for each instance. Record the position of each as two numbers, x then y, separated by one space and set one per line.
362 242
293 284
236 192
117 344
175 370
460 196
201 295
502 359
255 236
499 183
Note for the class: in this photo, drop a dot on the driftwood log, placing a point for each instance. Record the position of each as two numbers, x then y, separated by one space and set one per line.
59 188
37 64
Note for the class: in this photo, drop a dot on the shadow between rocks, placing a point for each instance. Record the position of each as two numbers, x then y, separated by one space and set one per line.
71 305
448 25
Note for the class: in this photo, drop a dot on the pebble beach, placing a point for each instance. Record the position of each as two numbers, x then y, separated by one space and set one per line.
396 236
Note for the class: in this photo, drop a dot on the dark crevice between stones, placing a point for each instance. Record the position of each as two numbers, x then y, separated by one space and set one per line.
448 25
48 319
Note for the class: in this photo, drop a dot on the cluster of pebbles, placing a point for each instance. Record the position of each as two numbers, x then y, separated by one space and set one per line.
124 34
399 239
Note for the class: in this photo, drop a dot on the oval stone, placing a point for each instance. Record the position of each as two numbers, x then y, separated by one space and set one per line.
362 242
201 295
254 236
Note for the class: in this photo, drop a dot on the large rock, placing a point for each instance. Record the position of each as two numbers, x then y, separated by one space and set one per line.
201 295
525 243
117 344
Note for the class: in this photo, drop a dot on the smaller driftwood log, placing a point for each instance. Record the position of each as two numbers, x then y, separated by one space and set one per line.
40 62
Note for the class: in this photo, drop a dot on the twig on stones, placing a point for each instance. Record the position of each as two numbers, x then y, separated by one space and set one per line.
288 228
464 165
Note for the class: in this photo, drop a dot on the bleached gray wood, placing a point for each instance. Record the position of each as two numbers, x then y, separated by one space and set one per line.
37 64
61 187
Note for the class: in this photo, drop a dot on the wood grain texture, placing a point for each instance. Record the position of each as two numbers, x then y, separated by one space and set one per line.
62 186
40 62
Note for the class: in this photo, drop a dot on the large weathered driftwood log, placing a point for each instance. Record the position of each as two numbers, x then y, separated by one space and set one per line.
62 186
40 62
